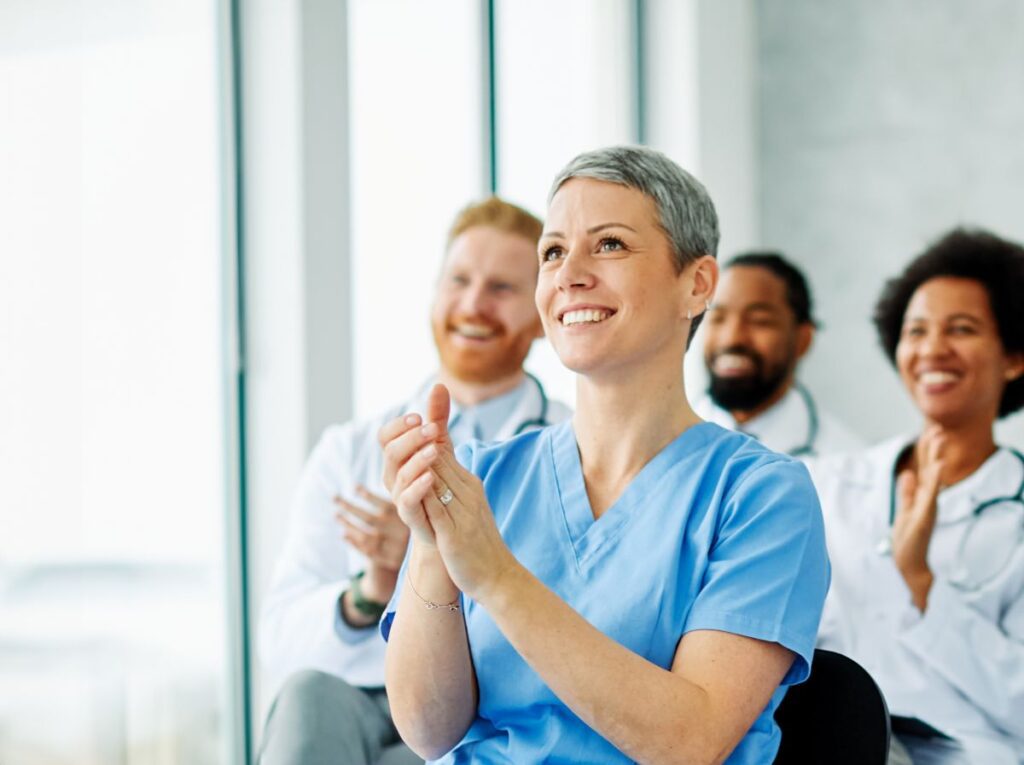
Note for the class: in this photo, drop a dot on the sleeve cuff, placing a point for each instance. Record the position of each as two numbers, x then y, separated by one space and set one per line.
347 633
801 646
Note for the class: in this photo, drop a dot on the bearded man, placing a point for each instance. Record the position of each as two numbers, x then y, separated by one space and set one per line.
760 325
346 544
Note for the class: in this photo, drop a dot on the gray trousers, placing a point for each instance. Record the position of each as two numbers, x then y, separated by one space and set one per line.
319 719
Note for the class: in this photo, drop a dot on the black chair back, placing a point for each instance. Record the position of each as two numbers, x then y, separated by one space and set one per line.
838 716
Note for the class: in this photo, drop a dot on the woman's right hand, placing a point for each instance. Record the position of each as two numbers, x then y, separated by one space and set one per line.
410 447
918 491
403 441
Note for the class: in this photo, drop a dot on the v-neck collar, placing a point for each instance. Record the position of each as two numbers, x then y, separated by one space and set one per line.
587 536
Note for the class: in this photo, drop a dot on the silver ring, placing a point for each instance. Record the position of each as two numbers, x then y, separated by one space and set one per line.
446 498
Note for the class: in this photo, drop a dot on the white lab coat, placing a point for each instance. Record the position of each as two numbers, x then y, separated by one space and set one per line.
299 619
960 665
788 427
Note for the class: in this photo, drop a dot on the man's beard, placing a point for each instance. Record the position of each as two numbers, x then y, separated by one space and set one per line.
744 394
490 363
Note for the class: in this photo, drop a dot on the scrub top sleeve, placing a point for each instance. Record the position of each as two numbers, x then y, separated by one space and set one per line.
465 455
388 617
768 571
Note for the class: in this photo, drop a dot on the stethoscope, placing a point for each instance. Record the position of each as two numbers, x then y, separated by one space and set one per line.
1017 498
807 448
541 420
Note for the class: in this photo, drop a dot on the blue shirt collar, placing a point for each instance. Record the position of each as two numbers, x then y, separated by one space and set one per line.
485 420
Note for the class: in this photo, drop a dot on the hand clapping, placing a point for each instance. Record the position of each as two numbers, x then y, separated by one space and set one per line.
918 491
442 503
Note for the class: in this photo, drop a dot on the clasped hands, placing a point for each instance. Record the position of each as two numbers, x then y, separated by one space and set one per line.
420 470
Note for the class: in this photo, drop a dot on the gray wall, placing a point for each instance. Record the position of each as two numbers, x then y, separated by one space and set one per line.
881 125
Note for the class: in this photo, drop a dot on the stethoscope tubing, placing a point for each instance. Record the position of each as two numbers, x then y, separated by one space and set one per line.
807 449
540 421
1018 497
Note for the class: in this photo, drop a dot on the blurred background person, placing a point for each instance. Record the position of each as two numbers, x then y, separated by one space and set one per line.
926 532
345 541
760 326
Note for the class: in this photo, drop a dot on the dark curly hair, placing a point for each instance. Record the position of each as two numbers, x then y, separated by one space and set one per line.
996 263
798 294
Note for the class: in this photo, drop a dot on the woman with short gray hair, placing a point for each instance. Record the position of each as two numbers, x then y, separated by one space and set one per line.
633 585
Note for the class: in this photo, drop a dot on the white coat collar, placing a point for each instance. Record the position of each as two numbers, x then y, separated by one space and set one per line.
999 476
784 427
788 423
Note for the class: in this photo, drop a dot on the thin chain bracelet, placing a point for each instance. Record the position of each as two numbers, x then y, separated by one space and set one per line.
431 605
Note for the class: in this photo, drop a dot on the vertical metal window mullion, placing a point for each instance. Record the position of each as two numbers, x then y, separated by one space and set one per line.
237 525
639 71
489 56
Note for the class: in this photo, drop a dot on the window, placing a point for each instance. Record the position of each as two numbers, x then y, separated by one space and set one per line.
112 405
418 148
565 74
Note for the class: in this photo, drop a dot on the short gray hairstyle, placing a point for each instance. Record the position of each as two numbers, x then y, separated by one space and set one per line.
685 211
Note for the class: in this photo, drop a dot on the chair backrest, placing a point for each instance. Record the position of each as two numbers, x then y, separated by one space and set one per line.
838 716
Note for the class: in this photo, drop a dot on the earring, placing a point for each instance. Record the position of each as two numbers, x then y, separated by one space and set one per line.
707 305
689 314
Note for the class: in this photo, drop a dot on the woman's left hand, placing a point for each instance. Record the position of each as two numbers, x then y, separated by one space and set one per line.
465 533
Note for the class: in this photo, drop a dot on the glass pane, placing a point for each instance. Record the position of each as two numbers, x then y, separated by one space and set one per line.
112 501
565 71
417 144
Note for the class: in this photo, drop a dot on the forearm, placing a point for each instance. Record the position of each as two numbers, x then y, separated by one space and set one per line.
919 582
982 659
649 713
298 630
429 671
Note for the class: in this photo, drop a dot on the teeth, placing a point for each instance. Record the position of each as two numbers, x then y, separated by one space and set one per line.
587 315
936 378
733 362
474 330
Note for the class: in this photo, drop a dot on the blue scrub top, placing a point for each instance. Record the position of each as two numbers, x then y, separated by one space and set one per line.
716 532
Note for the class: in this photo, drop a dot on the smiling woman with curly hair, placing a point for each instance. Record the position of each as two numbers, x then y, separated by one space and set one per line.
926 533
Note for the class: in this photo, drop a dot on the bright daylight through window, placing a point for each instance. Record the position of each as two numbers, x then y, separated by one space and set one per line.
112 440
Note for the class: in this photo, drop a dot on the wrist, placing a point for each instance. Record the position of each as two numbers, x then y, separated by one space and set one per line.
919 582
430 576
352 616
506 580
912 569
